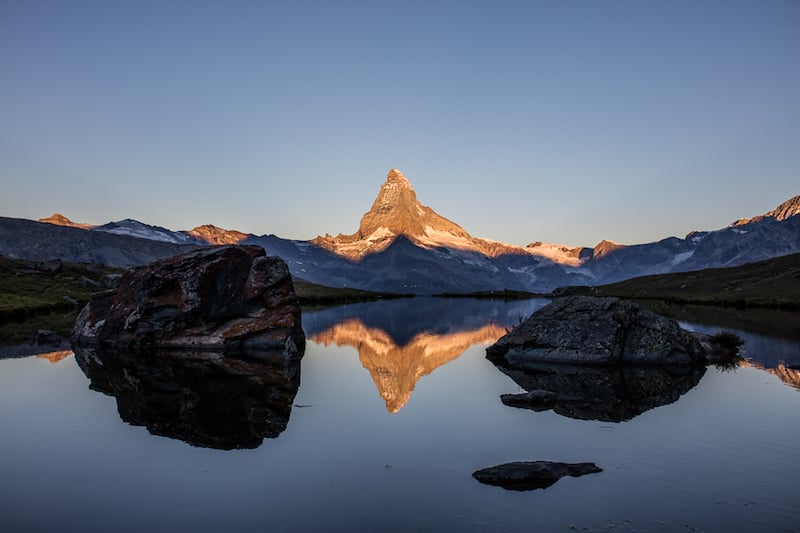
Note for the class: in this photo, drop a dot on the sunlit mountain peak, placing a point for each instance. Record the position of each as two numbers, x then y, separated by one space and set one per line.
215 235
397 212
395 176
60 220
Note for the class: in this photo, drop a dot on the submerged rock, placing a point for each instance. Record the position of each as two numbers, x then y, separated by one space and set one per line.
229 298
531 475
602 331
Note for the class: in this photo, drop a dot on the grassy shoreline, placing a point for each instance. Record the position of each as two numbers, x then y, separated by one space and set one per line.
769 284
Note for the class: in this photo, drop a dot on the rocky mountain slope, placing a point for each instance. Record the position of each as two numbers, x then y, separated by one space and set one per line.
404 246
397 212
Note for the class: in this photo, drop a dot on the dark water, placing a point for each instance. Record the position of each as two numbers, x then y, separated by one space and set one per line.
379 428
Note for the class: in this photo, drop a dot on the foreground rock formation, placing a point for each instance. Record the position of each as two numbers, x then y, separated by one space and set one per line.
601 331
230 298
530 475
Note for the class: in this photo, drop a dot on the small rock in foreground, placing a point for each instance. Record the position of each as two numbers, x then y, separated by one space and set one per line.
531 475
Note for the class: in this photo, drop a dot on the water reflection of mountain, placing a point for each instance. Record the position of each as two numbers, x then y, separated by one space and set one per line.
405 318
778 356
396 369
55 357
204 399
788 374
399 341
609 394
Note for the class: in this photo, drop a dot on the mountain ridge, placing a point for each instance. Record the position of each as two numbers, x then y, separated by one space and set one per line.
406 247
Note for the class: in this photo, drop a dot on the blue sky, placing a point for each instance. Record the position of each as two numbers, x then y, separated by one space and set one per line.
559 121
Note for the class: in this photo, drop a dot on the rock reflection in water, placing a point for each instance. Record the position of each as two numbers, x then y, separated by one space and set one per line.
204 399
608 394
396 369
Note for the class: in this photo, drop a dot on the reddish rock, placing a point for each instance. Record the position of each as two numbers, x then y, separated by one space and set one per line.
227 298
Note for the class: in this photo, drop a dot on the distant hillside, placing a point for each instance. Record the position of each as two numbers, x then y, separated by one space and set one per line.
772 283
311 294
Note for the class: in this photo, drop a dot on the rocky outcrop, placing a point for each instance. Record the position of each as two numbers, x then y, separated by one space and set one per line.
206 399
531 475
231 298
210 234
601 331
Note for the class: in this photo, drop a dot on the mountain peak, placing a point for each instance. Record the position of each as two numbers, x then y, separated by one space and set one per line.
395 176
396 211
60 220
211 234
787 209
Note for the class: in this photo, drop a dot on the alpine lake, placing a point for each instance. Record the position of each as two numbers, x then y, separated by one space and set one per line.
381 424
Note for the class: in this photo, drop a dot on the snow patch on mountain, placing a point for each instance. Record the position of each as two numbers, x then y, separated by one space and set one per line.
557 253
134 228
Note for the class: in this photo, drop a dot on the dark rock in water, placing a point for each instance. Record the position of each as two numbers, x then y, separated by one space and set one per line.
588 330
531 475
203 398
525 400
227 298
608 394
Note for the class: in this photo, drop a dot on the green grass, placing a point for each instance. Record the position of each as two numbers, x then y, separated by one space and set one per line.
29 289
505 294
313 294
774 283
34 298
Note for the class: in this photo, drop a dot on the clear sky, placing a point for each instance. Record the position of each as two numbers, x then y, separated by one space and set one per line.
562 121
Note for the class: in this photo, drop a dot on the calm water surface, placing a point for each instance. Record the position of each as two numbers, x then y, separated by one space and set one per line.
394 407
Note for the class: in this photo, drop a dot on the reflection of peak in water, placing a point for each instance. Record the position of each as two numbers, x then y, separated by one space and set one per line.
404 319
396 369
55 357
789 375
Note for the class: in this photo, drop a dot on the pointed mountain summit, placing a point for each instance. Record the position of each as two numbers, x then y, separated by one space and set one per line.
397 209
395 212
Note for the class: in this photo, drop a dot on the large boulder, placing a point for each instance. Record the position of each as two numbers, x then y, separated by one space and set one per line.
229 298
588 330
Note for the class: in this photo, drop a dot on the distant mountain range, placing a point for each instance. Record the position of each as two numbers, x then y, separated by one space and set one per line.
404 246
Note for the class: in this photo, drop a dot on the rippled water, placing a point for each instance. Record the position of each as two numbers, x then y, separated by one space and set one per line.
379 428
